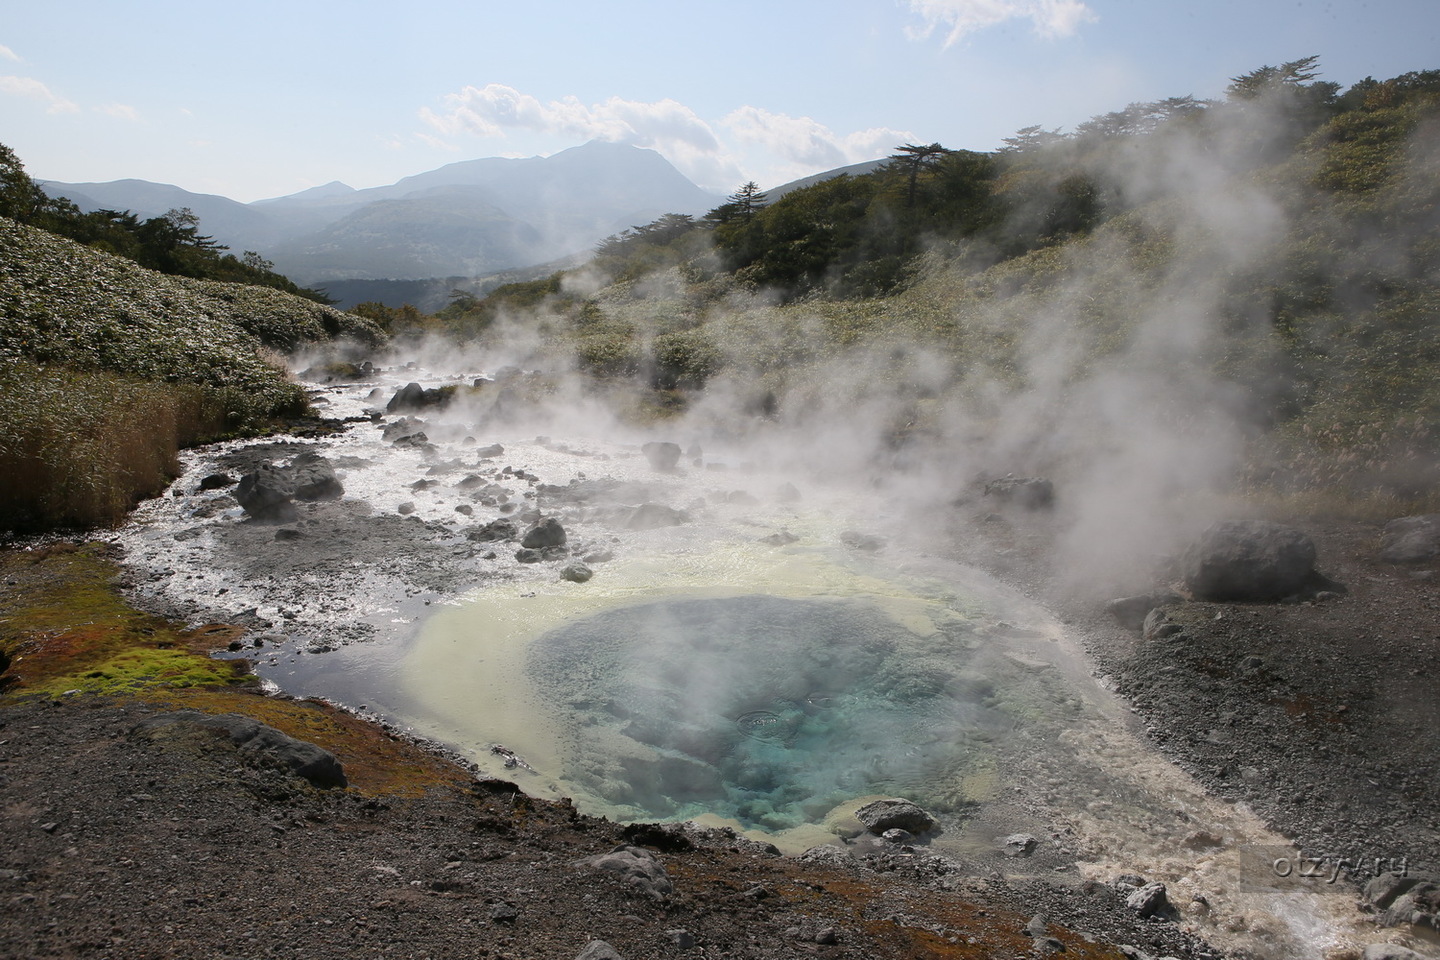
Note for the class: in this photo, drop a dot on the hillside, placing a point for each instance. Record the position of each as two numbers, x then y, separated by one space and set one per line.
107 367
1176 297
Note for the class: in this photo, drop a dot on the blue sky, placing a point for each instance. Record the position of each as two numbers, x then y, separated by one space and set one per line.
261 99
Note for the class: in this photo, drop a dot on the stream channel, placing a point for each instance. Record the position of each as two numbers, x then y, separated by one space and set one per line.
758 648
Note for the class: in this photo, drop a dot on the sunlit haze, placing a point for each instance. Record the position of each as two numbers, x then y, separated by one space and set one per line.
265 99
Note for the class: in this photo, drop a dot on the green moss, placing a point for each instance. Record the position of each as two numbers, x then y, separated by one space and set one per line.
67 629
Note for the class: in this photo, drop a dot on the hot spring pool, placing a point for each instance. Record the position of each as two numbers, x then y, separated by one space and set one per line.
768 689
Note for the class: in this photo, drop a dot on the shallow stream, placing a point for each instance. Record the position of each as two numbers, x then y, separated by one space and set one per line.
781 654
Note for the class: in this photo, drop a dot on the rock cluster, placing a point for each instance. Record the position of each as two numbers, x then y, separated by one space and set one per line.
268 492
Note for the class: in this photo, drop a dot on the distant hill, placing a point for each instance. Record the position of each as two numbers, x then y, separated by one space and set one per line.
469 218
853 170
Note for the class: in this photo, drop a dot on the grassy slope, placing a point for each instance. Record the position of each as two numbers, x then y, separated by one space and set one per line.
1306 288
107 368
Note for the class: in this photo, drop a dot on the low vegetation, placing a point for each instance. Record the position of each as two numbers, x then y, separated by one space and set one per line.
108 368
1281 240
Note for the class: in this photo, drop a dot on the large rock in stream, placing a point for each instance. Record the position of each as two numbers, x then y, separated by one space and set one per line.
267 493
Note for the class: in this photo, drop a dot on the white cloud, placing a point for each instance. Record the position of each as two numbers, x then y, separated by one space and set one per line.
496 109
7 54
809 145
784 147
1050 18
667 126
120 111
425 138
33 89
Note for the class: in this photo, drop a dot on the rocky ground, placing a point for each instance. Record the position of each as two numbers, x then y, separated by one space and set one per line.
1320 715
120 843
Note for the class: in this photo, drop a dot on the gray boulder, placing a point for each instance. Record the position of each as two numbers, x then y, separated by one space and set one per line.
1130 612
404 427
502 528
1019 845
598 950
654 516
1028 493
1389 951
255 740
1411 539
635 867
895 814
547 532
1403 899
576 572
266 494
412 396
1158 625
1238 560
1150 900
662 454
312 477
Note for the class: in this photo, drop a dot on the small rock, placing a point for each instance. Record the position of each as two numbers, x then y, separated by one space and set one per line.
546 533
500 529
681 938
1411 539
881 815
1019 845
576 573
654 516
598 950
1149 900
504 913
406 508
635 867
1029 493
662 454
856 540
1389 951
1158 625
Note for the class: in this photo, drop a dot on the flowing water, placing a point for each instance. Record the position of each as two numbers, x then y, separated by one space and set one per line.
757 665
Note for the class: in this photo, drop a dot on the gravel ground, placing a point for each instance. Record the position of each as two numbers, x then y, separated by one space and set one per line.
118 845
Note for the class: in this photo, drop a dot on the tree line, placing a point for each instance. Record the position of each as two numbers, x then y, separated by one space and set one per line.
857 235
171 243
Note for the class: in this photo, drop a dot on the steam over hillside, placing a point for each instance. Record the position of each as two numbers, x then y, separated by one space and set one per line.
1178 301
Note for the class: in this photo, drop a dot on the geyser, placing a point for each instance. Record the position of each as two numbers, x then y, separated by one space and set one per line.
770 711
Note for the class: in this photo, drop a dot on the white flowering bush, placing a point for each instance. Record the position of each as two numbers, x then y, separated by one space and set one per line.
107 367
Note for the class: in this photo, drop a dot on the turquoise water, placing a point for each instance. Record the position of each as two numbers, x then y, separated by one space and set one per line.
766 710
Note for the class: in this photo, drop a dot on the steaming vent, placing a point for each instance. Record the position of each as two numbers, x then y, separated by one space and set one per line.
771 711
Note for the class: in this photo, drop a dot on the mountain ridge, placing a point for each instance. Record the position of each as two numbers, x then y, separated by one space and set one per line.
548 208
